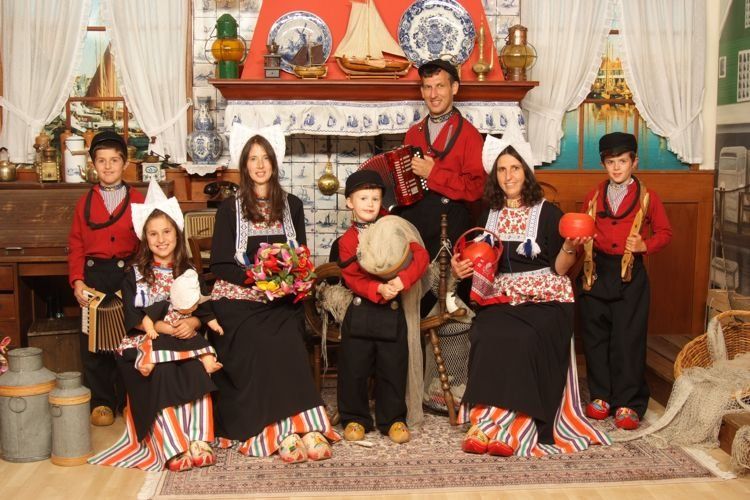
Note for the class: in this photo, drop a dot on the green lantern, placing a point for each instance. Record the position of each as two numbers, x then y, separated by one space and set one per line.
228 49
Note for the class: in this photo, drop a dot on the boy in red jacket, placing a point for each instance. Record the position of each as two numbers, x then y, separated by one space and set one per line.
374 330
615 298
101 241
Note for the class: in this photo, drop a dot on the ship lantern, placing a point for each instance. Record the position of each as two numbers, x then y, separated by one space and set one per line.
228 49
517 55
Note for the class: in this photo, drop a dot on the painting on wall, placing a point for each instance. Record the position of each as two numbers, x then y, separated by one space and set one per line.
730 264
609 107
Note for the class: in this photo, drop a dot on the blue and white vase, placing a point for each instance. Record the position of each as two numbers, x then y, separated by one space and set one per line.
204 144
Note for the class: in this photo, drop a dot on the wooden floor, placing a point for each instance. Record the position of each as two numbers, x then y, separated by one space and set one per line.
42 480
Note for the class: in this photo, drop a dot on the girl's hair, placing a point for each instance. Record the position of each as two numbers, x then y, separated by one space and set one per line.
250 208
144 257
531 192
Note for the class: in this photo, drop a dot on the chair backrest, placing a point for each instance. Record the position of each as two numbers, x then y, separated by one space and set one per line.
200 249
199 224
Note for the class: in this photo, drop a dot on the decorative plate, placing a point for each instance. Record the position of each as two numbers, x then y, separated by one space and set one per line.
296 29
434 29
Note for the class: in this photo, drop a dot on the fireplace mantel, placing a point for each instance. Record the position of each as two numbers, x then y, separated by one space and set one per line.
362 90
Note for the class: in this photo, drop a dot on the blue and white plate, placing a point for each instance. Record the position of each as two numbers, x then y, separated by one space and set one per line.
435 29
295 30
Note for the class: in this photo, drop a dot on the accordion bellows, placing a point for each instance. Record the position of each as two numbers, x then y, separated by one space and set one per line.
103 320
384 247
403 186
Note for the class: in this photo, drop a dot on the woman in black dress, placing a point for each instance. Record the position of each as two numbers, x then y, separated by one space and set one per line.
522 393
267 398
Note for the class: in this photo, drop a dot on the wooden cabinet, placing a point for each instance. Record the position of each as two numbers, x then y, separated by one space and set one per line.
9 314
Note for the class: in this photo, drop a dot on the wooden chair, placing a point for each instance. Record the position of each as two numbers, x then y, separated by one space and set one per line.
328 272
200 248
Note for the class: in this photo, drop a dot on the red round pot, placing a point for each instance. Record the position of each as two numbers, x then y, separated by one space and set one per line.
574 225
477 250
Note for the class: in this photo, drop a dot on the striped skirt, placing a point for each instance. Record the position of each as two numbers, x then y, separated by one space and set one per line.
173 431
269 440
572 431
147 353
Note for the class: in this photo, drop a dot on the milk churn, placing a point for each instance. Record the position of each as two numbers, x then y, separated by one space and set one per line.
25 421
69 406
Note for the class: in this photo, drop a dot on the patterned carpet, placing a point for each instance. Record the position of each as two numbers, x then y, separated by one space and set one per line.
431 461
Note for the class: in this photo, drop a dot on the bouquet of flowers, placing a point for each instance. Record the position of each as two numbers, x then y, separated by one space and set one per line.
279 270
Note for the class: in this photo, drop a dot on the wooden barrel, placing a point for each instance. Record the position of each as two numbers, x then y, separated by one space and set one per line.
25 420
69 406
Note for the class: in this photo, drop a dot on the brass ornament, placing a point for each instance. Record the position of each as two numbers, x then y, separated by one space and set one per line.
328 183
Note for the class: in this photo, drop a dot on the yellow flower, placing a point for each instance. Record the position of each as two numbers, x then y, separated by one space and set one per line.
270 286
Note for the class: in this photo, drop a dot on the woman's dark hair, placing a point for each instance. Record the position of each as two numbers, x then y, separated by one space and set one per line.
531 192
250 208
144 257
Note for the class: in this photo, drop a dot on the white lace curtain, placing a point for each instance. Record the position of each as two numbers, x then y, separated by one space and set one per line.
663 45
149 41
42 42
664 49
569 37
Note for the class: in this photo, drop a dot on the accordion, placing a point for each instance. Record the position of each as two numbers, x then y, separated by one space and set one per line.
403 186
103 320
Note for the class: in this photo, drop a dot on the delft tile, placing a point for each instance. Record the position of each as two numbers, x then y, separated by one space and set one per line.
202 52
345 219
205 8
324 146
201 74
325 220
303 174
503 23
309 221
305 194
320 167
202 27
247 28
323 244
285 177
345 170
509 7
348 150
209 91
323 202
251 5
302 148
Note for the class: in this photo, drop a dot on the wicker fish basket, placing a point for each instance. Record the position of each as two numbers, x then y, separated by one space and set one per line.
736 339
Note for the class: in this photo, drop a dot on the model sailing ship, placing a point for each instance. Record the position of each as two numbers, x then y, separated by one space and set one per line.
361 52
309 63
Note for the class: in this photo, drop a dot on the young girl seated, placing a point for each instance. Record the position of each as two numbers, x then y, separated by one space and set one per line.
185 300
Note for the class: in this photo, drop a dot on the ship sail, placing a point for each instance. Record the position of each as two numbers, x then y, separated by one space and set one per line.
365 20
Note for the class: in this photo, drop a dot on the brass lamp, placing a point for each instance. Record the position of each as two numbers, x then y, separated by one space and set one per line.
517 55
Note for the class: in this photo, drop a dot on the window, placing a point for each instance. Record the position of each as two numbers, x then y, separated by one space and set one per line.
723 67
747 14
95 101
743 75
609 107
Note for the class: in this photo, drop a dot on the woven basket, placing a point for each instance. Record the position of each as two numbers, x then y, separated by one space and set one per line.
736 338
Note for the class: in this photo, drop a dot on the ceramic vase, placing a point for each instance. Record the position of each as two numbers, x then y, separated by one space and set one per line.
204 144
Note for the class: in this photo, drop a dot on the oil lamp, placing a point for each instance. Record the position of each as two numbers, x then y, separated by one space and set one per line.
517 55
228 49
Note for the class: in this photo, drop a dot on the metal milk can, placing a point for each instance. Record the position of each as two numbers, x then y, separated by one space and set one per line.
25 421
69 406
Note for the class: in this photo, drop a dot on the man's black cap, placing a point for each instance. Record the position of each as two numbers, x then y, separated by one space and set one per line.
446 66
363 179
113 139
617 143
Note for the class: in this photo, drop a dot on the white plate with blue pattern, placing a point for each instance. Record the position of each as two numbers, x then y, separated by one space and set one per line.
436 29
295 30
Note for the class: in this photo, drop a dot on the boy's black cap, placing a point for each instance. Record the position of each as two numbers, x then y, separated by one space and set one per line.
439 63
364 179
617 143
108 136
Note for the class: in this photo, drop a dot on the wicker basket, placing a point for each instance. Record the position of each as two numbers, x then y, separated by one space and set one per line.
736 338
